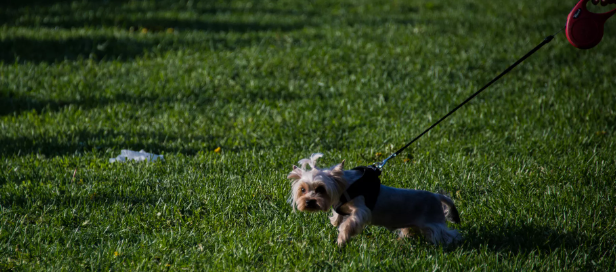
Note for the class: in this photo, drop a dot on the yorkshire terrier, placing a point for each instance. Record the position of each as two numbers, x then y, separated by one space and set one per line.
406 210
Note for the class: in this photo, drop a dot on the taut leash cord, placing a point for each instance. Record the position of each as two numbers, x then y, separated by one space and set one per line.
545 41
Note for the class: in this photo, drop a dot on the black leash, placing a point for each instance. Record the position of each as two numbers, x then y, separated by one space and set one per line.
548 39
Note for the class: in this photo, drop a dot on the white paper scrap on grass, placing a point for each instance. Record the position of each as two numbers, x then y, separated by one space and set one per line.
136 156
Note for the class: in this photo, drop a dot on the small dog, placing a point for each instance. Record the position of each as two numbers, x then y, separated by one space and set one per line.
410 211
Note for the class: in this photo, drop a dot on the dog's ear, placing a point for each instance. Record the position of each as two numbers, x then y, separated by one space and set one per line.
338 174
339 167
296 173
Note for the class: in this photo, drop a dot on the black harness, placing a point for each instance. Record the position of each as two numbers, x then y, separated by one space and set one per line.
368 186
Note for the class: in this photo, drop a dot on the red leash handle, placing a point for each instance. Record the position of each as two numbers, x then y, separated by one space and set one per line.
584 28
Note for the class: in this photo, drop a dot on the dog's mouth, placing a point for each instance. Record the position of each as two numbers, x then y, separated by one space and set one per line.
312 209
310 205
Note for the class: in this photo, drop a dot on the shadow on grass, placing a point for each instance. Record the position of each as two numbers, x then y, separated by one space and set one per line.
204 7
98 199
84 141
101 48
109 48
163 24
31 3
522 239
12 103
105 14
159 16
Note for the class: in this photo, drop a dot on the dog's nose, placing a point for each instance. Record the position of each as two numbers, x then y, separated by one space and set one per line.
311 203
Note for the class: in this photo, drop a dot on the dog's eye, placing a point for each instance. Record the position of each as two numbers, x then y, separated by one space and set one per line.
303 190
320 190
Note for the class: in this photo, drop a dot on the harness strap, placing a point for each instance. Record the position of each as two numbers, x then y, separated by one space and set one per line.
368 186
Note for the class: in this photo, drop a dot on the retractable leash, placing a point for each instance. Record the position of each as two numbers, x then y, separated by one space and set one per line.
584 30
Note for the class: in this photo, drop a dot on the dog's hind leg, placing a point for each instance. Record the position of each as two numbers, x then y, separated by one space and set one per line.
440 234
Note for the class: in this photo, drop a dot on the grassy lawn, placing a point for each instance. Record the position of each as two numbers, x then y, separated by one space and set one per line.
530 163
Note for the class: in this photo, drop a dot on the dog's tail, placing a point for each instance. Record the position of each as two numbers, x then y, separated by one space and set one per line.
451 213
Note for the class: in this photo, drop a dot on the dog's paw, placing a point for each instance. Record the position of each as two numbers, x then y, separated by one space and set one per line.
407 233
342 239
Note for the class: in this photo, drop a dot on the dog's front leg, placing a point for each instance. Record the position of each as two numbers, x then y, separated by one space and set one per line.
336 218
359 216
408 232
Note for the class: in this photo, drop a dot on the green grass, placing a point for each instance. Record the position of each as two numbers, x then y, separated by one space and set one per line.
530 163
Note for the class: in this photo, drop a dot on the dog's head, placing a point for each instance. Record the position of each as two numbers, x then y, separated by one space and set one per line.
316 189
